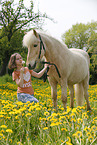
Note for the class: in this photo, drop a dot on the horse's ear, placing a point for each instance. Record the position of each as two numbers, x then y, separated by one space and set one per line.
35 33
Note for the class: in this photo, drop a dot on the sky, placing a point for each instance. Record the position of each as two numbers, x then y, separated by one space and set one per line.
66 13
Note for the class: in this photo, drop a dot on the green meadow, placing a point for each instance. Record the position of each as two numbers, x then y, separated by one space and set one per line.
39 124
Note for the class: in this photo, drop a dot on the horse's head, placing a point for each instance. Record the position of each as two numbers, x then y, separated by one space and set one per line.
32 41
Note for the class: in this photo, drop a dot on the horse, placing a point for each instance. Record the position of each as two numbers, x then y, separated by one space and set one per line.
71 63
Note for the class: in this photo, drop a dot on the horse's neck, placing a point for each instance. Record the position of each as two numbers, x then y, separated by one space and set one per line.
53 48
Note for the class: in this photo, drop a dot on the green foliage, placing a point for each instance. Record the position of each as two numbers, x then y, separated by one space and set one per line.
6 78
84 36
75 37
14 17
92 44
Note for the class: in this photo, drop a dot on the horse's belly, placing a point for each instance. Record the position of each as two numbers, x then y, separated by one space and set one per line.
78 75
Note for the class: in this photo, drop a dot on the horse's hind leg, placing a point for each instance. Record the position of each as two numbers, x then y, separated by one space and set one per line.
79 94
64 93
86 94
71 92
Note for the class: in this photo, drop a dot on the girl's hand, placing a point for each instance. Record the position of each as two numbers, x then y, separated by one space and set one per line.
46 65
22 70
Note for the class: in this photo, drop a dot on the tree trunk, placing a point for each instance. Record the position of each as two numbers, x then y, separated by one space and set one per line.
4 65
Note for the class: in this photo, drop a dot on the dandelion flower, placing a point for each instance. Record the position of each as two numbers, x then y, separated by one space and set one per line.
64 129
1 134
45 128
46 113
90 138
28 114
9 131
3 126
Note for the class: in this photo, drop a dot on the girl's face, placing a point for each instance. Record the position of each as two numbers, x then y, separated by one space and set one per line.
18 60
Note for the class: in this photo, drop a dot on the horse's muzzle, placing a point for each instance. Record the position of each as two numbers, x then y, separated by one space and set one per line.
32 67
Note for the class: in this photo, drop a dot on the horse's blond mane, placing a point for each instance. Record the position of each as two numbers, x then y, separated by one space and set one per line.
30 39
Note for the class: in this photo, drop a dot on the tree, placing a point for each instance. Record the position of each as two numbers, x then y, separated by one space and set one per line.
92 44
84 37
14 18
79 34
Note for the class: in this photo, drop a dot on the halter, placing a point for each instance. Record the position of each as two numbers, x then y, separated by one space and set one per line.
43 62
41 45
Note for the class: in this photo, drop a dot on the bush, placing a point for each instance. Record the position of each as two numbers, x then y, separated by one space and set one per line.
6 78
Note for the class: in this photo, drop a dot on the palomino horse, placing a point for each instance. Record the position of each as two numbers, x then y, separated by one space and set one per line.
72 64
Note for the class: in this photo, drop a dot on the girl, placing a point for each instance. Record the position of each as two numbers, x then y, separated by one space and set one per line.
22 76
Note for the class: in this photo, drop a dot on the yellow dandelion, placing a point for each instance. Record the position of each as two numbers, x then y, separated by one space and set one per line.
8 117
94 128
3 126
72 114
88 134
1 134
43 119
90 138
87 129
11 113
46 113
53 124
79 133
64 129
16 117
68 109
74 110
54 114
45 128
79 120
69 140
10 140
68 143
19 103
38 108
2 131
28 114
9 131
74 135
53 119
19 143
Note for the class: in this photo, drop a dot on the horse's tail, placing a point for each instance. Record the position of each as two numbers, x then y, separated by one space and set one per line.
79 94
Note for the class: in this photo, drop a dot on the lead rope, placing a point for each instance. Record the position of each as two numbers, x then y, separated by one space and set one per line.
44 77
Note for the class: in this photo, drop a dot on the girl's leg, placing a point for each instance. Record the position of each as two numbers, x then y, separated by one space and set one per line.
26 97
31 98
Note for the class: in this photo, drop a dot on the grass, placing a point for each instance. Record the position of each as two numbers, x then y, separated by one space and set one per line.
40 124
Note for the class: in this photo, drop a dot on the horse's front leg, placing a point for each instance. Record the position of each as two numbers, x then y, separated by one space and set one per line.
54 96
64 94
53 84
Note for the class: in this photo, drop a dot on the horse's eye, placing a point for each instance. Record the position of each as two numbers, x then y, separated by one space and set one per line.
35 45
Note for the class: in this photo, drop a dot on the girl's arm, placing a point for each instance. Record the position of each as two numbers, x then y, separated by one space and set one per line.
20 81
39 75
